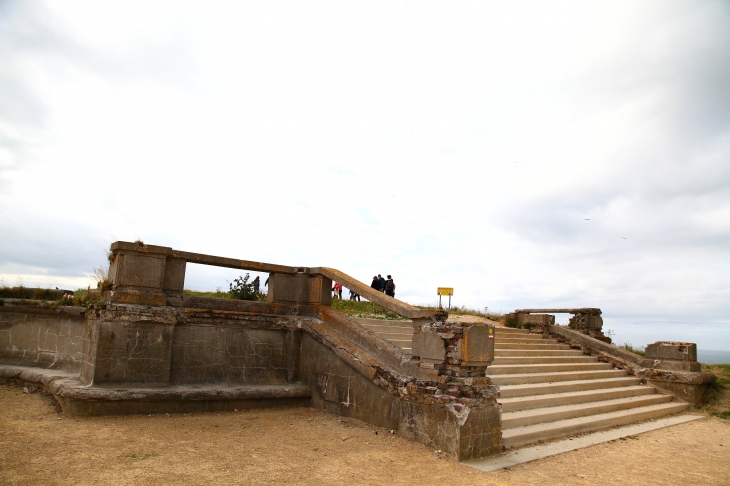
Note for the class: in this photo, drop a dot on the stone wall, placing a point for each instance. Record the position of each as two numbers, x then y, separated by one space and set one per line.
44 338
129 358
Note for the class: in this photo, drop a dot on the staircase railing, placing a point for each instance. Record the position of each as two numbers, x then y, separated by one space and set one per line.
150 274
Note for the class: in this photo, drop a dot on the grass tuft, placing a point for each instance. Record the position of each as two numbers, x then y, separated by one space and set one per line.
628 347
366 310
717 396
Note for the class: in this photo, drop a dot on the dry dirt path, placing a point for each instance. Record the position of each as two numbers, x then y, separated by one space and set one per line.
305 446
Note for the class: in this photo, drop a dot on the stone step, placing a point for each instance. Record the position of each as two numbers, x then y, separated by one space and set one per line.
402 342
394 335
573 397
513 360
527 338
519 436
539 388
537 352
525 378
524 418
510 330
407 329
522 369
538 345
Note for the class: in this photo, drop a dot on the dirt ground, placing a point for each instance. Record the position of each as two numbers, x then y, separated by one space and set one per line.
38 445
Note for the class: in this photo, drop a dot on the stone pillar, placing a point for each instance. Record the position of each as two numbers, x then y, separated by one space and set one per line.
456 407
139 274
299 288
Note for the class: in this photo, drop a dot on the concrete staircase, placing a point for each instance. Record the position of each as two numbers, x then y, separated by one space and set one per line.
399 333
549 391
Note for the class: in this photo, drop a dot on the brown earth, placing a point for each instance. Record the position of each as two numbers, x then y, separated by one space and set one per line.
38 445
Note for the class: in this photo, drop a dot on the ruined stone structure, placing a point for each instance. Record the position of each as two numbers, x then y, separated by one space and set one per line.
149 348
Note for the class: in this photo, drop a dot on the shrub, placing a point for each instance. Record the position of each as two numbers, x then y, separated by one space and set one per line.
242 289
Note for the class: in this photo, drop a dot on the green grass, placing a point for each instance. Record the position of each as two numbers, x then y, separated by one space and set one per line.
218 294
371 310
628 347
367 310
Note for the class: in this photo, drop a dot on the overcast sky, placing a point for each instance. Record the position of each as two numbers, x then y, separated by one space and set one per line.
527 154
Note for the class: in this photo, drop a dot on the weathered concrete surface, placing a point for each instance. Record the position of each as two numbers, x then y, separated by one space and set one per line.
45 338
129 345
343 390
228 354
79 400
674 356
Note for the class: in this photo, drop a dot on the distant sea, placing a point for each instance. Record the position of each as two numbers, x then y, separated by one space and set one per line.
711 356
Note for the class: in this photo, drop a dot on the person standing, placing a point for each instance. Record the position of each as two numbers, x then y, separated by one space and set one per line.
381 283
256 284
390 287
337 290
375 285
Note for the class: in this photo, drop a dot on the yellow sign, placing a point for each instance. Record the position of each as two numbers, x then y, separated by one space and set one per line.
445 291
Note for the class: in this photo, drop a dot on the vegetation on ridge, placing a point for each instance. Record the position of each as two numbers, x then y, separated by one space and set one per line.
717 396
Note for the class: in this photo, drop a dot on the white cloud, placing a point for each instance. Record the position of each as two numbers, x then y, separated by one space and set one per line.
460 145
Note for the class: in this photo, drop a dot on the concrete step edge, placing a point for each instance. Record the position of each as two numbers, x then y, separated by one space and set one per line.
556 377
533 433
541 388
531 402
547 415
521 369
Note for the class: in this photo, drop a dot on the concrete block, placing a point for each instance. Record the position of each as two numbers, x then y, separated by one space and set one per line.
134 297
690 393
592 323
535 319
670 350
299 289
174 280
477 348
429 346
139 270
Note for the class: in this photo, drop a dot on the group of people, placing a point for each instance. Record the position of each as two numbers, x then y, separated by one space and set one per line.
337 289
380 284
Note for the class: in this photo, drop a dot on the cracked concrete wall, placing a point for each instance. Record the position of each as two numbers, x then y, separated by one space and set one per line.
228 354
341 390
44 340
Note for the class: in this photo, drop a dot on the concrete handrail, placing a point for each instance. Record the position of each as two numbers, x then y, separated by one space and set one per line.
390 303
203 259
386 301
